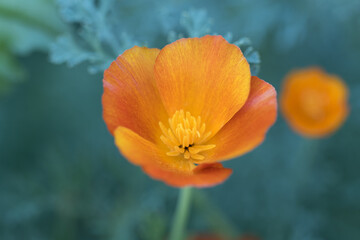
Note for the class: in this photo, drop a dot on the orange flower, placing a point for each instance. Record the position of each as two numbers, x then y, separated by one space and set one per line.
178 111
313 102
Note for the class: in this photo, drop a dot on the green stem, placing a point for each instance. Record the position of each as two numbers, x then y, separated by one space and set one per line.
181 215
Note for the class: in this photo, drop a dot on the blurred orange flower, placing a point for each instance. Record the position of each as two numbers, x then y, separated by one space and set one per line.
178 111
313 102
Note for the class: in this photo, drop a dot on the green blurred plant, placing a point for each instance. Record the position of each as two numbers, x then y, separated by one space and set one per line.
25 26
95 35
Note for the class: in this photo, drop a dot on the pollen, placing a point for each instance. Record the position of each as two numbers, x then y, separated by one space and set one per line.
186 136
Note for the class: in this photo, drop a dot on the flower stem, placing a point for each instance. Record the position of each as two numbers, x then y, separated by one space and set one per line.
181 214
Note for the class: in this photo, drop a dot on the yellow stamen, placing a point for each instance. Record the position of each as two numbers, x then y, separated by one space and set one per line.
186 135
173 154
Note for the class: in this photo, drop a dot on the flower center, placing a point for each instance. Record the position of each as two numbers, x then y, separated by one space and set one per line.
186 135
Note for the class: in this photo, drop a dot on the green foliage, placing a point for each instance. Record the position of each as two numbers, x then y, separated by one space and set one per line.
251 55
10 71
196 23
96 36
25 26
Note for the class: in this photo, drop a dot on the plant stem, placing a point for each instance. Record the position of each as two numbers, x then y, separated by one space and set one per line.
181 214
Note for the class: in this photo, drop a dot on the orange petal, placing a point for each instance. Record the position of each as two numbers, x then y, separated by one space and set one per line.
177 172
313 102
204 175
207 76
248 127
131 98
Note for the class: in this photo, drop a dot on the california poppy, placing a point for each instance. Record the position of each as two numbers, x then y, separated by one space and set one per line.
178 111
313 102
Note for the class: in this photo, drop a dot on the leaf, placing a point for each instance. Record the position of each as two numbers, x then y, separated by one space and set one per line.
28 25
251 55
66 50
196 23
94 35
25 26
10 71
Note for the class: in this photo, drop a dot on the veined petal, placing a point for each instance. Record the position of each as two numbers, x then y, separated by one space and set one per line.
207 77
248 127
204 175
131 98
174 171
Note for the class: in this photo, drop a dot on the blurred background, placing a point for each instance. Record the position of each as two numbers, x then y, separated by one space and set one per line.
61 176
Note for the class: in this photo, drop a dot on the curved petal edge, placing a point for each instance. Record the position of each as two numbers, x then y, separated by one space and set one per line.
157 165
247 129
